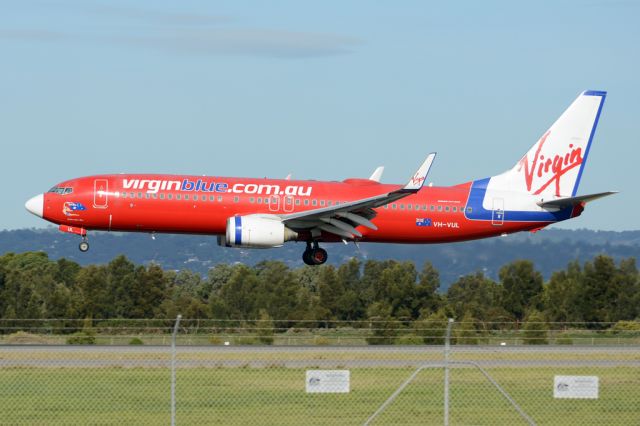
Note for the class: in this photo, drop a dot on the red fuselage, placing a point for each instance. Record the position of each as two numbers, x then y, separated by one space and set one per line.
202 205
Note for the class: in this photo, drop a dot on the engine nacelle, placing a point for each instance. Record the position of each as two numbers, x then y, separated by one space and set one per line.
256 231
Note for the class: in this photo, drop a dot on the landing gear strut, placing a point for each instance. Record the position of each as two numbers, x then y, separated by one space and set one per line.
314 255
84 245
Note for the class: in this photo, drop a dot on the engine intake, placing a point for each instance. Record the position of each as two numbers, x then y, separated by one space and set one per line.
256 231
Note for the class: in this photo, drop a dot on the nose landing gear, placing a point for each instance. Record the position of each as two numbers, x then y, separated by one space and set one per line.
314 255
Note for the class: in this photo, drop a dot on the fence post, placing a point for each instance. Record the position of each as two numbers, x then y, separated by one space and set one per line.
447 347
173 370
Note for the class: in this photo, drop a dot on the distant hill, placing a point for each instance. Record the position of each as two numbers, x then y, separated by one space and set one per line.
550 250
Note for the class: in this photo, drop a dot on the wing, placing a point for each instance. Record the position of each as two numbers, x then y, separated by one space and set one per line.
342 219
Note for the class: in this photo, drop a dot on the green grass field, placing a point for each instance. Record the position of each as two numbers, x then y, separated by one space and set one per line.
276 396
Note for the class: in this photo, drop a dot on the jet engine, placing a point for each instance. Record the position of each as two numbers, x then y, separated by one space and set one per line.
256 231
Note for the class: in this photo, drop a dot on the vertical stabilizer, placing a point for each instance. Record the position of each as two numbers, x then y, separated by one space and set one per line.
553 166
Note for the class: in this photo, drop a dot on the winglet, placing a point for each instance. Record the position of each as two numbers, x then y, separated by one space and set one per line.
417 180
377 174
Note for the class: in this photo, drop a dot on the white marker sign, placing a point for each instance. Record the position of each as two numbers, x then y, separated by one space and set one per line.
577 387
328 381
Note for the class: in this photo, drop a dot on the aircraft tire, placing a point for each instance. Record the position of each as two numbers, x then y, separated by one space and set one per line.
306 258
319 256
83 246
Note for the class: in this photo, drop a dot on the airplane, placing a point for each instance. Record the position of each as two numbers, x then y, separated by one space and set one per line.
539 190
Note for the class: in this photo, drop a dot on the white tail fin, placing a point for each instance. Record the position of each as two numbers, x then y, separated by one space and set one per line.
553 166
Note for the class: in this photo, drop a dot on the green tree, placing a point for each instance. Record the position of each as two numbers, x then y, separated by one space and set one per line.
427 289
535 329
474 294
236 299
120 282
350 304
562 294
431 327
466 331
147 291
521 287
265 327
383 328
276 289
396 286
94 298
596 290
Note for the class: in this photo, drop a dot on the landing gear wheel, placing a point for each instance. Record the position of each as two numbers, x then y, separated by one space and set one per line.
84 246
314 257
319 256
306 258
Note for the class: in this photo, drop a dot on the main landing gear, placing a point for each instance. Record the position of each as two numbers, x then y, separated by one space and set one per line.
84 245
314 255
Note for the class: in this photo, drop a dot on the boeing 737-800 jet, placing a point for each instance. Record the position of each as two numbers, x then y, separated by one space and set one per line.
540 189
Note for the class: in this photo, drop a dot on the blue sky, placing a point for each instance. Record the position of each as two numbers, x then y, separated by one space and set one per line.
323 90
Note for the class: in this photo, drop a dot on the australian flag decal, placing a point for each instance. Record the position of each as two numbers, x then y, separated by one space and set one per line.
423 222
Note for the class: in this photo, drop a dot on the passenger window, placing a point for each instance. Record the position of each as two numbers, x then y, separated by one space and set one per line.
186 196
314 202
147 195
446 209
252 200
322 203
328 203
259 200
220 198
409 206
297 202
401 206
155 196
162 196
418 207
195 198
178 197
212 198
170 196
439 208
236 199
454 209
386 206
469 210
124 195
139 194
433 208
394 206
306 202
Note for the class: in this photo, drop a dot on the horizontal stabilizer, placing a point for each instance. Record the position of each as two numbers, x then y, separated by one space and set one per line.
572 201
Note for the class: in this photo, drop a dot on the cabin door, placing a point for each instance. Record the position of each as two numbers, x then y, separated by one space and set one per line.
100 193
274 203
497 214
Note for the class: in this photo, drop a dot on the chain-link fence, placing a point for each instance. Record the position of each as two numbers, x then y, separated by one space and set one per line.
291 372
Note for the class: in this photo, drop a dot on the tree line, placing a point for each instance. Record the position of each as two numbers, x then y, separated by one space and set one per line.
32 286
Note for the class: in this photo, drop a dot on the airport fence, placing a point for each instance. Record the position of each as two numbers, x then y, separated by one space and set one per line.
318 373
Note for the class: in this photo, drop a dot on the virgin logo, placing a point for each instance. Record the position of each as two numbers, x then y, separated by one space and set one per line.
542 171
417 179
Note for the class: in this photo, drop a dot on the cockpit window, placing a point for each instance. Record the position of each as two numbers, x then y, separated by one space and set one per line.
61 190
